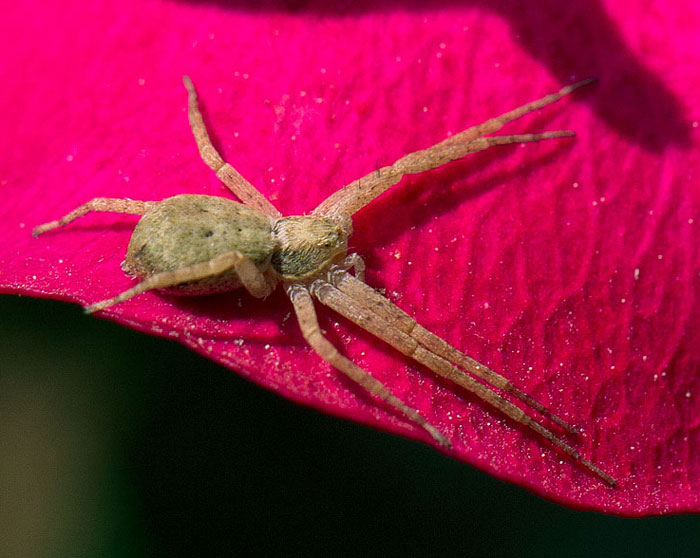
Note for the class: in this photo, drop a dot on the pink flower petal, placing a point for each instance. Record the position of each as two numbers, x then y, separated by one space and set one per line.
570 266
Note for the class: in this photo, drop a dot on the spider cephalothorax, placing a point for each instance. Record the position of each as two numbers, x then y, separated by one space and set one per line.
193 244
306 246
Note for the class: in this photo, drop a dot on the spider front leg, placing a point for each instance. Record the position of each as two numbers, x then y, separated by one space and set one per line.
354 196
306 315
114 205
251 277
361 312
387 310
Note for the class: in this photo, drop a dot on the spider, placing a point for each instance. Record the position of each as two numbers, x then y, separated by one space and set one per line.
197 244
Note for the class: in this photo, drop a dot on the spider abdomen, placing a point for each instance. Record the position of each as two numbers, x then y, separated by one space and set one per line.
190 229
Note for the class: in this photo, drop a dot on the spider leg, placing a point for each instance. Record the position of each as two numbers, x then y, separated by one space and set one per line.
251 277
364 316
387 310
494 124
354 196
240 187
114 205
306 315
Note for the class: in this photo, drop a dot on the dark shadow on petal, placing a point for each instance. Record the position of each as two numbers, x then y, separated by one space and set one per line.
573 40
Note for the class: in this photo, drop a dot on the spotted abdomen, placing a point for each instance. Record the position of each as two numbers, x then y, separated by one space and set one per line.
189 229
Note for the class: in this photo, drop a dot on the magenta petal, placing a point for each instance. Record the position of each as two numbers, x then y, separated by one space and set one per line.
570 266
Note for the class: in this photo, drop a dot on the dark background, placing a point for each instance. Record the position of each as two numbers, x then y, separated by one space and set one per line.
115 443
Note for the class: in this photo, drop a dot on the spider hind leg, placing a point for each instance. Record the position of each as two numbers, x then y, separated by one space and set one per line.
251 277
113 205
